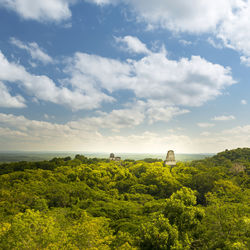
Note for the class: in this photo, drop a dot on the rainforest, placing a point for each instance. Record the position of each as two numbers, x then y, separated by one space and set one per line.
91 203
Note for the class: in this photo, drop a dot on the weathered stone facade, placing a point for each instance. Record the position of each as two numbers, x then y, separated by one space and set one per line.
170 159
112 157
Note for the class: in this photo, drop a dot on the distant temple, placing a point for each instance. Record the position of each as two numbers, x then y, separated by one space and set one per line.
113 158
170 159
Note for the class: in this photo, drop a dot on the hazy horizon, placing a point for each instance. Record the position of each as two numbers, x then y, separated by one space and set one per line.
11 156
93 152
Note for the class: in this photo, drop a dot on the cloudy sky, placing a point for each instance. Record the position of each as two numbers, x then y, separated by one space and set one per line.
124 76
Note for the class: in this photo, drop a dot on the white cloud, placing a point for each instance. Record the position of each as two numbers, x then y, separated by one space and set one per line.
43 88
134 115
132 44
243 102
225 139
179 15
115 120
205 125
19 132
234 30
157 112
89 72
34 50
227 20
185 42
92 80
8 101
40 10
11 134
245 60
241 131
188 82
223 118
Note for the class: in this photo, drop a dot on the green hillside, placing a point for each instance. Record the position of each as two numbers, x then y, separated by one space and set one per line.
85 203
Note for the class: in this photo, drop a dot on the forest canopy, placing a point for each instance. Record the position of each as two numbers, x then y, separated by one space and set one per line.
91 203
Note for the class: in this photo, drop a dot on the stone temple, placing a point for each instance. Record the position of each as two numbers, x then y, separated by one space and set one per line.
170 159
112 157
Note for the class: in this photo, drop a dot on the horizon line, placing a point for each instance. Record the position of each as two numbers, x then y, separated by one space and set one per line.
91 152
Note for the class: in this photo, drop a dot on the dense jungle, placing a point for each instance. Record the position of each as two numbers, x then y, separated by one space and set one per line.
91 203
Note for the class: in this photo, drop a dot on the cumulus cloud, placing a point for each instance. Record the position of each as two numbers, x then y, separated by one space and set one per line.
11 134
245 60
234 31
158 112
179 15
89 72
226 20
8 101
18 131
132 44
153 79
223 118
42 11
33 134
131 116
34 50
187 82
115 120
45 89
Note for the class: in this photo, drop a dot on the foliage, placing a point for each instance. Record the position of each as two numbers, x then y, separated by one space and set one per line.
85 203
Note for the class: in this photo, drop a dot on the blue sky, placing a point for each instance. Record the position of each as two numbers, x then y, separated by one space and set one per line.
124 76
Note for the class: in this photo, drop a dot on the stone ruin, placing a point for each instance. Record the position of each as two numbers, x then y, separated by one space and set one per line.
113 158
170 159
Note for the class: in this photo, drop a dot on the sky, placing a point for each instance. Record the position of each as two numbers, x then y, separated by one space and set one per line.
135 76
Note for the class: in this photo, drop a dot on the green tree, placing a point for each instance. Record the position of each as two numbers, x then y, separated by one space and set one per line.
31 230
159 234
181 210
